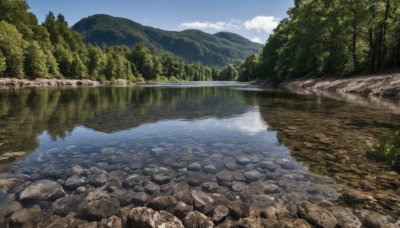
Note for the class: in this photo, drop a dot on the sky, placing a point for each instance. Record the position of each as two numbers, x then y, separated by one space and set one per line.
253 19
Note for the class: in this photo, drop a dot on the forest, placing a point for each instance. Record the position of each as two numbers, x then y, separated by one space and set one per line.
52 50
329 38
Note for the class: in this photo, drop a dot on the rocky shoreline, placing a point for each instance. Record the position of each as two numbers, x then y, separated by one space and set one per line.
56 83
385 86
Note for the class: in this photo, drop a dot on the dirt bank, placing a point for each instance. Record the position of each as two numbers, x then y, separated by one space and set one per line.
387 86
40 82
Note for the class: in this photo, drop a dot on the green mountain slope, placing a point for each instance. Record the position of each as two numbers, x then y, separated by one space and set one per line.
192 45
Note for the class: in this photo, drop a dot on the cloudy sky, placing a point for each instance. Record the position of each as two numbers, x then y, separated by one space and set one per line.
253 19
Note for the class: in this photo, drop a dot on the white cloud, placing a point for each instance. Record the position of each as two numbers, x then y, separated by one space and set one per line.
262 23
257 40
219 25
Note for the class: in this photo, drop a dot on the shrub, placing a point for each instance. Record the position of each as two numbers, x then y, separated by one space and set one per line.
388 149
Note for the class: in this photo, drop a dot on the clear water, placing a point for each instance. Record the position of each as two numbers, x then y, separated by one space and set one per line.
318 143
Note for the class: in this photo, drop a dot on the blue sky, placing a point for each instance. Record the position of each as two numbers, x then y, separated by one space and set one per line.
253 19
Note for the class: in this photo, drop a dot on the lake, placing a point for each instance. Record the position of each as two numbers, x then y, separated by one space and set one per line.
228 150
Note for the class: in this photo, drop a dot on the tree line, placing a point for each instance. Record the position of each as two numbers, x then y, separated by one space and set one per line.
329 37
53 50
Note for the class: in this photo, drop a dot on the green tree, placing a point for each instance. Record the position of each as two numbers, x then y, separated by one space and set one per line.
12 46
2 63
35 61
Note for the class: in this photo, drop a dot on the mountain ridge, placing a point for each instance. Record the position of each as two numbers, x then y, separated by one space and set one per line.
192 45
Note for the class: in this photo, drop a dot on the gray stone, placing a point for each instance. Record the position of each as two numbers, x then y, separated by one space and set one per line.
270 166
146 217
26 217
74 182
224 178
271 188
162 202
253 175
211 187
111 222
97 205
219 213
42 190
160 179
202 201
316 215
210 169
182 209
239 186
133 181
194 167
151 187
98 180
140 198
9 181
64 205
243 161
196 219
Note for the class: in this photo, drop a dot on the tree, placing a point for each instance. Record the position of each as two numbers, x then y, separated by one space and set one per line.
2 63
248 69
12 46
35 61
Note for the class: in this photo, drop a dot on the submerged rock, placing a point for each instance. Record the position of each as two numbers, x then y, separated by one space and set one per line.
146 217
202 201
162 202
219 213
316 215
74 182
97 205
42 190
194 167
253 175
26 217
196 219
160 179
9 181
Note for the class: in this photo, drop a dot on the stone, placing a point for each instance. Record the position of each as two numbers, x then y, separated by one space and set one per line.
201 201
316 215
140 198
230 166
243 161
9 181
220 212
133 181
293 223
160 179
89 225
374 220
78 170
271 188
162 202
182 209
270 166
196 219
210 169
210 187
346 217
124 196
253 175
10 207
352 196
97 205
80 190
63 206
239 210
98 180
74 182
194 167
146 217
224 178
11 155
111 222
289 165
252 222
239 186
151 188
26 217
42 190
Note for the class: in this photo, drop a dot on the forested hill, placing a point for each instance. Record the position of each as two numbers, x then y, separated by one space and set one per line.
336 38
192 45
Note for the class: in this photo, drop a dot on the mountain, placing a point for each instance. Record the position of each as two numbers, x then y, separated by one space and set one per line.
192 45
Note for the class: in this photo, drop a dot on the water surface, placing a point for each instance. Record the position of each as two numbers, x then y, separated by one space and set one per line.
317 144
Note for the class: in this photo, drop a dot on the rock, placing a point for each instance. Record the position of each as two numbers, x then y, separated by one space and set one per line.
346 217
210 169
196 219
78 170
230 166
124 196
10 207
271 188
89 225
374 220
270 166
9 181
140 198
252 223
11 155
151 187
220 212
42 190
201 201
194 167
74 182
133 181
112 222
210 187
98 180
97 205
289 165
26 217
352 196
243 161
239 210
146 217
316 215
64 205
162 202
239 186
253 175
182 209
224 178
292 223
160 179
80 190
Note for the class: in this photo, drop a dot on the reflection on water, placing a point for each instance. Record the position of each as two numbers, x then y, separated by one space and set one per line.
236 144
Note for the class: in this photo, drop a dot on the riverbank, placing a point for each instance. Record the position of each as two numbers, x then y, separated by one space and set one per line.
41 82
385 86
